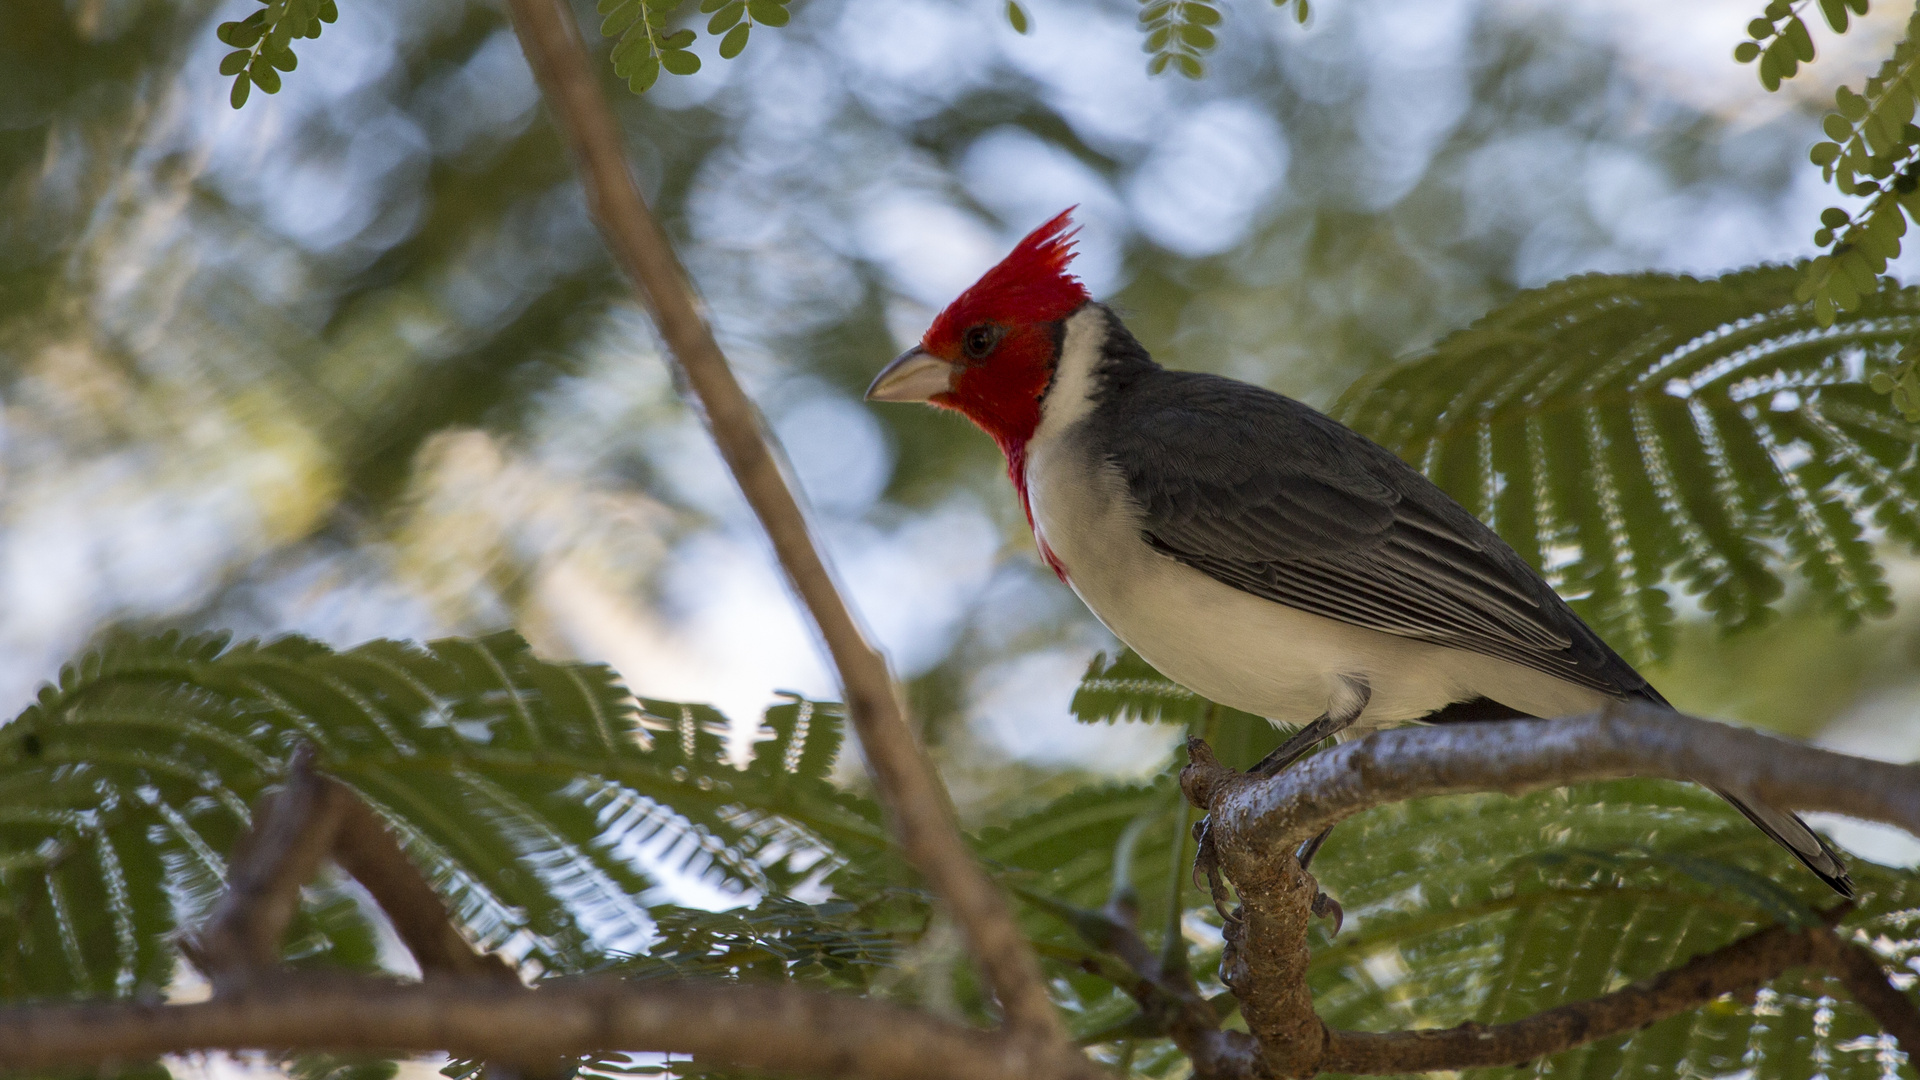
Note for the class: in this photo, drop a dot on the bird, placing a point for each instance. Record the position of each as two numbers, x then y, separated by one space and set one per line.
1251 548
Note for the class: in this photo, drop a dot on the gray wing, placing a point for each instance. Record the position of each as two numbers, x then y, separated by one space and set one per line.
1266 495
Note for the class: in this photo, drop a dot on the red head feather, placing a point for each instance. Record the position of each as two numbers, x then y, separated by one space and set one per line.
1020 300
1020 303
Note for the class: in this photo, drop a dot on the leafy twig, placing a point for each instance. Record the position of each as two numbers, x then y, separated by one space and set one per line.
263 43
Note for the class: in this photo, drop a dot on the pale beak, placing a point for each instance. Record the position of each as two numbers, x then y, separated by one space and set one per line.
914 375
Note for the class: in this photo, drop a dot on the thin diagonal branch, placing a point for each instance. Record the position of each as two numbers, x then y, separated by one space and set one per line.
368 852
1739 968
1170 1000
916 801
293 832
782 1028
314 816
1866 981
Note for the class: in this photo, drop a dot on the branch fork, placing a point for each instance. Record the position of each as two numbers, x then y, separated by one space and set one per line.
1255 825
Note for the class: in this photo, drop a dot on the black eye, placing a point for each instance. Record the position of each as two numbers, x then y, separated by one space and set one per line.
981 339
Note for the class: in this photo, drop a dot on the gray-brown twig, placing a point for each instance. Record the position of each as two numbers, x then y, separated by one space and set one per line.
293 831
1866 981
1739 968
911 792
313 816
784 1028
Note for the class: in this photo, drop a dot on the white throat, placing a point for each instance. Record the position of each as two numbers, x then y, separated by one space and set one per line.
1070 398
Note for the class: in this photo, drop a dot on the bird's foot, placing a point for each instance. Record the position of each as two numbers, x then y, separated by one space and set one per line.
1325 906
1206 870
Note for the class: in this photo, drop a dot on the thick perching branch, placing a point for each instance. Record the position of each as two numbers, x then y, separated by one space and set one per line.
1514 756
915 800
1257 822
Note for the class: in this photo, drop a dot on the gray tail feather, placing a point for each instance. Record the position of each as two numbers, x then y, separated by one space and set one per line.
1791 833
1784 827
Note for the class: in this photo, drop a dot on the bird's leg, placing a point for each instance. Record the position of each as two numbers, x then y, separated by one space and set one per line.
1206 871
1349 701
1347 705
1308 850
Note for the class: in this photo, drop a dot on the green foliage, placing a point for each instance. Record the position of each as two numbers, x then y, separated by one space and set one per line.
646 47
1475 907
1613 882
519 786
1128 688
1901 382
1619 430
1017 17
1179 33
1787 44
1874 153
263 43
778 938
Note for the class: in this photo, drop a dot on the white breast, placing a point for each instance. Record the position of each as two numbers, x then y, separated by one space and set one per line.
1225 644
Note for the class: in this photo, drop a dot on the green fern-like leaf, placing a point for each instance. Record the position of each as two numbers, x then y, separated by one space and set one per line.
1612 882
522 788
1129 688
1622 430
777 938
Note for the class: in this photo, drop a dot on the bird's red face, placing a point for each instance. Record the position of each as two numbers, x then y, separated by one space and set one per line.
990 355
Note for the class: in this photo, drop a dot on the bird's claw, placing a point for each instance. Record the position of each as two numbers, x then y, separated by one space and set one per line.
1325 906
1206 869
1203 858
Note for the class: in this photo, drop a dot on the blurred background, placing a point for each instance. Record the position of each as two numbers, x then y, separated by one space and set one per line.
352 363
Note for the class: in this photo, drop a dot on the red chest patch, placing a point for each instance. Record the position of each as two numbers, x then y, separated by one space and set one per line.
1017 471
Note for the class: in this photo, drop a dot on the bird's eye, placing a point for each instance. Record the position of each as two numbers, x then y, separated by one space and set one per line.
981 339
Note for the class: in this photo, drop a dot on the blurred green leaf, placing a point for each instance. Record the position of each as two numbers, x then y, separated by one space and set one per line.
768 12
265 39
1634 427
1017 17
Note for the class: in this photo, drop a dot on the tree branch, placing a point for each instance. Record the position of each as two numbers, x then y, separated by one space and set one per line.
293 831
311 817
1866 981
1168 996
782 1028
1739 968
1514 756
912 793
366 850
1257 822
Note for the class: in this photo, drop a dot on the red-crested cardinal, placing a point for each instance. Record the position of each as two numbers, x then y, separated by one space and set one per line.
1251 549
